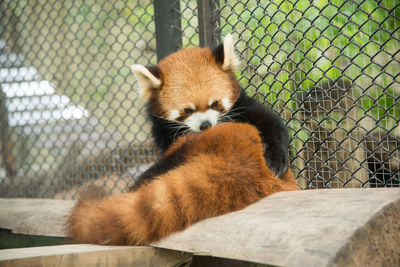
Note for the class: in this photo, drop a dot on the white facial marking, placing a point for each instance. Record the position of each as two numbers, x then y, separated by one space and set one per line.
196 119
192 106
210 102
173 114
226 103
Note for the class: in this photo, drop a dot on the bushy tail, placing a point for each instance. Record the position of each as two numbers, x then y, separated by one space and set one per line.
210 184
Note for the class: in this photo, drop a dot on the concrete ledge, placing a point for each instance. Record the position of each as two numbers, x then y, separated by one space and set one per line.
305 228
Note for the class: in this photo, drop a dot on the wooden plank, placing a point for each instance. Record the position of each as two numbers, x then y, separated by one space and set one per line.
92 255
304 228
35 216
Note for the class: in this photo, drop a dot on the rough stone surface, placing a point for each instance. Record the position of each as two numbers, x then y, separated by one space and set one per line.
345 227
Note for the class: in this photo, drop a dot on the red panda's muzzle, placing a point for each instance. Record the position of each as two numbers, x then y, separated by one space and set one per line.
199 121
204 125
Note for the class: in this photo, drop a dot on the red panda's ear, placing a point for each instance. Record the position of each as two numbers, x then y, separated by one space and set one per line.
225 54
148 78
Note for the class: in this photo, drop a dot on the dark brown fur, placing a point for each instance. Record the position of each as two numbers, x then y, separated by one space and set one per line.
226 171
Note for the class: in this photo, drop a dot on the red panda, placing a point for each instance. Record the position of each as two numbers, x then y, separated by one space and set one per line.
195 88
224 170
210 166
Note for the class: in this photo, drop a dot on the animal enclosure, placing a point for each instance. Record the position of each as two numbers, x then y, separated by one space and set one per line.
70 112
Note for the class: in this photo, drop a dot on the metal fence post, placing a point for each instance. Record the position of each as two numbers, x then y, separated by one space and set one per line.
209 22
168 27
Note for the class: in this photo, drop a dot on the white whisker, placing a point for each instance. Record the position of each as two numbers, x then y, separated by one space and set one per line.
230 115
178 133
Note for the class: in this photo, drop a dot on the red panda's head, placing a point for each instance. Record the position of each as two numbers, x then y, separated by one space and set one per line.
194 86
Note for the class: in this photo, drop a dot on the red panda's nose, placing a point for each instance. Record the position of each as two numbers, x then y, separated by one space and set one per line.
204 125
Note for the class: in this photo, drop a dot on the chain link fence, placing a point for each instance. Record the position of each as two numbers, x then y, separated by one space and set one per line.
70 114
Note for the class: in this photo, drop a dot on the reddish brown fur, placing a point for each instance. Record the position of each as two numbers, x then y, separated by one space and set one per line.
192 75
226 172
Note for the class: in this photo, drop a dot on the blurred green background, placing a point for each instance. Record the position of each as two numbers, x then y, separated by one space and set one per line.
86 47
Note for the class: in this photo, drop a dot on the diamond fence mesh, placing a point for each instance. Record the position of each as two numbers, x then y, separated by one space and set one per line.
70 114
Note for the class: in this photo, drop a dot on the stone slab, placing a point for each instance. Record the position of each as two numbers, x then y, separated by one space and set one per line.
330 227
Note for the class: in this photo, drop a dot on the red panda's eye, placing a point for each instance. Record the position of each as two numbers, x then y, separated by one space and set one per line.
214 104
188 110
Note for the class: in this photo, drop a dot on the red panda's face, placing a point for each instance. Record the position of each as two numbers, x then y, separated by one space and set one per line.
194 87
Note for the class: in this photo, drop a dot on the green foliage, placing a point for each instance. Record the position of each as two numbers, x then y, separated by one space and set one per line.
294 45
